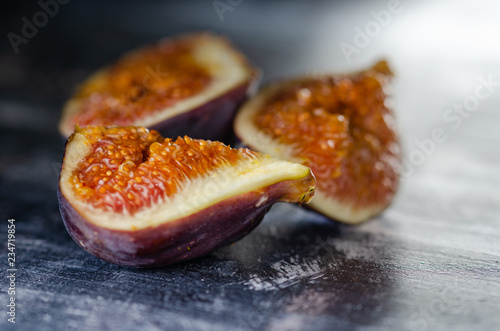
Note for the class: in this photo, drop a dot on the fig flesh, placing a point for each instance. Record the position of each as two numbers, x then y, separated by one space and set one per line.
134 198
188 85
342 127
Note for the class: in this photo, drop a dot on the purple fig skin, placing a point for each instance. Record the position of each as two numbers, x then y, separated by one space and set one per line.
212 120
184 239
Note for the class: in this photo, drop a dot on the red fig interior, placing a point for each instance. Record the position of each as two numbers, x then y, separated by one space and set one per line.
130 178
157 83
342 127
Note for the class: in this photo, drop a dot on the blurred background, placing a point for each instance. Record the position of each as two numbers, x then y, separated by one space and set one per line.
441 231
438 50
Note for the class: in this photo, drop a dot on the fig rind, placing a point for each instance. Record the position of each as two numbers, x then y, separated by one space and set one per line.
187 238
212 120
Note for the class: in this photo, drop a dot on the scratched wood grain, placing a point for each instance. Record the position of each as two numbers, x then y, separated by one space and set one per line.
430 262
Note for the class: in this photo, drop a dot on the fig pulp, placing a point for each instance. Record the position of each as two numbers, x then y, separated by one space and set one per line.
134 198
342 127
189 85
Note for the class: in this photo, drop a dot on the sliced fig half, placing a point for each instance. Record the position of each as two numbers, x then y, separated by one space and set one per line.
133 198
189 85
342 127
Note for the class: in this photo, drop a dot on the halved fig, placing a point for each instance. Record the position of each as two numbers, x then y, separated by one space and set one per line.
342 127
133 198
189 85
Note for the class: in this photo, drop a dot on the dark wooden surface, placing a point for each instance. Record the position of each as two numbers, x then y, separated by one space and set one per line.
430 262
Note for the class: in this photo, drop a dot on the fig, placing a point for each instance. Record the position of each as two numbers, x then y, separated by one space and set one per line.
133 198
342 127
188 85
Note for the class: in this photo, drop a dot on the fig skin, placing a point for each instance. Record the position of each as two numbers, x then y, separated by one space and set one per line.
184 239
194 233
212 120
